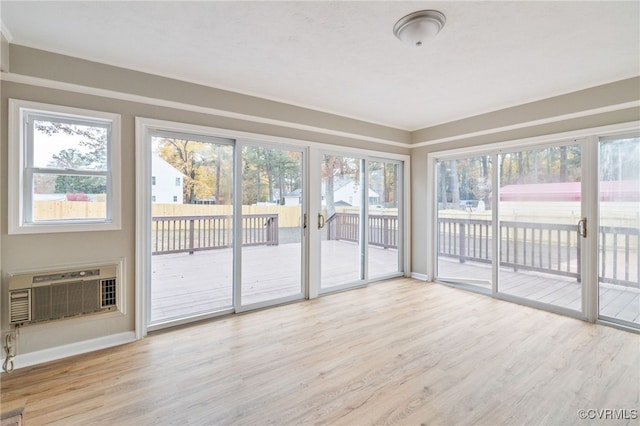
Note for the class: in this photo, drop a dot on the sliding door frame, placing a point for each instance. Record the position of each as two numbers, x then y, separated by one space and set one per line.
589 209
364 158
311 154
237 207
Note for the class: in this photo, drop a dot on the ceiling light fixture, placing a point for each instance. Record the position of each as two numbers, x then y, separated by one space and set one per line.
418 27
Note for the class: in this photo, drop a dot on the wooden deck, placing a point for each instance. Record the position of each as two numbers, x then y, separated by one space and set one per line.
616 301
187 284
184 284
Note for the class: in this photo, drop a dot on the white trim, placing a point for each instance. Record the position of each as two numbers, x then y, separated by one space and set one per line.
142 234
239 135
553 138
17 164
531 123
431 215
187 320
5 32
419 276
71 349
590 211
406 217
314 234
70 87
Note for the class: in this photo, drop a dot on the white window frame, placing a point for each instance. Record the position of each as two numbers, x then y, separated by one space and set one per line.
20 188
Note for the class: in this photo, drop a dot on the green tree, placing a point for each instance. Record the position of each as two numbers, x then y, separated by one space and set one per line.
89 153
205 165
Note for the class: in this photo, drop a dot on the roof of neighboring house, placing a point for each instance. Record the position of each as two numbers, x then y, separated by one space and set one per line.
294 193
158 162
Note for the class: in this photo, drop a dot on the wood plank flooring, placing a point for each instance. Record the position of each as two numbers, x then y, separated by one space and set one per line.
397 352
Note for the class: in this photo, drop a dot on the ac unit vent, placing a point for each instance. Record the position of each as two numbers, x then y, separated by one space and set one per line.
56 295
20 303
108 292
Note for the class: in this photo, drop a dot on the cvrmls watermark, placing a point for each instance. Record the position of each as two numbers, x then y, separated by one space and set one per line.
608 414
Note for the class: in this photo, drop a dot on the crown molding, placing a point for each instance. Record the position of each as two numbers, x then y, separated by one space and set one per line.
76 88
532 123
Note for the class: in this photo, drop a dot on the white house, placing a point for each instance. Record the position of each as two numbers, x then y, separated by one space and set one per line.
166 182
348 192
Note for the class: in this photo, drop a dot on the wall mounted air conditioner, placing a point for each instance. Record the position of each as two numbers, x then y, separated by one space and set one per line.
61 294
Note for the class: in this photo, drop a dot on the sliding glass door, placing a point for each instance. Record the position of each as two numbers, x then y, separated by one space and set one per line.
384 228
619 230
342 200
361 220
539 211
554 226
192 231
464 221
272 225
226 227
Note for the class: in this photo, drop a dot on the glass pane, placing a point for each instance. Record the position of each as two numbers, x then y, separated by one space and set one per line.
69 197
384 227
272 202
465 252
192 227
61 145
341 201
539 209
619 230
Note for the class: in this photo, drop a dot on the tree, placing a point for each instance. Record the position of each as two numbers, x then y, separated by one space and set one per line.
267 171
89 153
206 166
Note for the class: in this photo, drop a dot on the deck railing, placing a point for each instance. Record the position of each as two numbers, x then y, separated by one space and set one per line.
543 247
382 230
182 234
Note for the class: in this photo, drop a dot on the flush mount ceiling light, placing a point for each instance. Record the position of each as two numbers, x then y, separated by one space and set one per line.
418 27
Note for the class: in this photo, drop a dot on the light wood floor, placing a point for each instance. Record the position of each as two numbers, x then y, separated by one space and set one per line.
398 352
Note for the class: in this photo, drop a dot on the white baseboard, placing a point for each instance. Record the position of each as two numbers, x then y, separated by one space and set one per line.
418 276
59 352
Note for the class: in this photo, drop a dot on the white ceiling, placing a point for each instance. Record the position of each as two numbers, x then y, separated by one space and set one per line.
342 57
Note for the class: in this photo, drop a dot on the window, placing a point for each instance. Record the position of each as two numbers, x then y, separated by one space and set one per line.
178 181
153 198
175 198
153 180
64 172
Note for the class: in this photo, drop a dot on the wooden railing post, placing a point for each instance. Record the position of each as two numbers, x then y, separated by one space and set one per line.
385 232
191 235
462 245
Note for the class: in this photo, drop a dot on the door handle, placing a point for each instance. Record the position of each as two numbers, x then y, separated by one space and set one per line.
582 227
320 221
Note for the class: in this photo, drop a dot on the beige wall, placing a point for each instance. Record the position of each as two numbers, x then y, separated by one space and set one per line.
131 94
32 252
